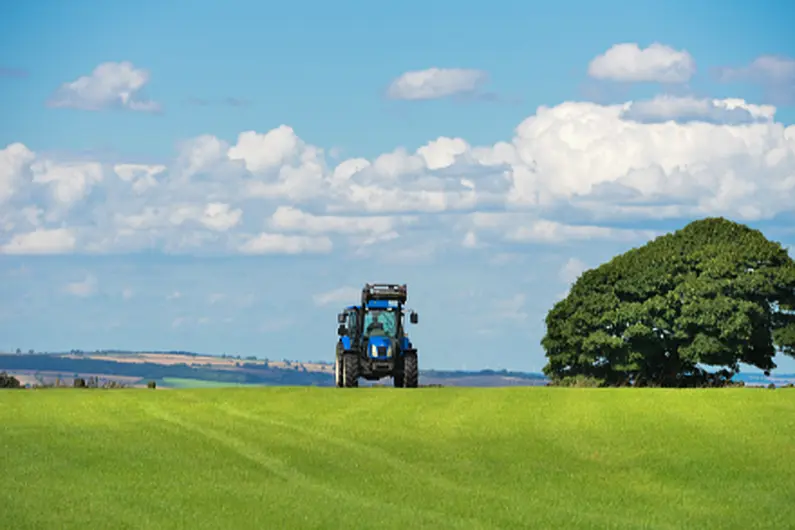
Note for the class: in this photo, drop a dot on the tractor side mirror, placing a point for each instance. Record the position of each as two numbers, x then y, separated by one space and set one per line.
414 318
342 331
341 318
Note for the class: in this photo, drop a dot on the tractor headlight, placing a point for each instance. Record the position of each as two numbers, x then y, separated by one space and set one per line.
389 351
373 350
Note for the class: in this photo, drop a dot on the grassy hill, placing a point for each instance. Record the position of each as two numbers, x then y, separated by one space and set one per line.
307 457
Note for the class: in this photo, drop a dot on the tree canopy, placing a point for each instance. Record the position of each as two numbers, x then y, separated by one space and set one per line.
9 381
714 293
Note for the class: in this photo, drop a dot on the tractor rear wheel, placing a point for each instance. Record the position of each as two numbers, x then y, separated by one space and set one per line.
411 371
350 370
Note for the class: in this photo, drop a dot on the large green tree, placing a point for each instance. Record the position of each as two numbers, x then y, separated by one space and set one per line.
714 293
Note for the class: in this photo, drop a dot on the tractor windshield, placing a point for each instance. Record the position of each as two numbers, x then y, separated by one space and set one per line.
380 322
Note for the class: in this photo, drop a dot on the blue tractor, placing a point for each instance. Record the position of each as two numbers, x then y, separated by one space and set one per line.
373 342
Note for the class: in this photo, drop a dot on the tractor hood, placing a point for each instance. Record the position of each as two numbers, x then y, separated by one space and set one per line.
382 347
378 340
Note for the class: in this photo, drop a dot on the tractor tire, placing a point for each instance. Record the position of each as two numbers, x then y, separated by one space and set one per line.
411 371
338 367
398 380
350 370
338 372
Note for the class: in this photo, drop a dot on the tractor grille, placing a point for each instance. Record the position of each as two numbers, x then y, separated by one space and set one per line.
382 351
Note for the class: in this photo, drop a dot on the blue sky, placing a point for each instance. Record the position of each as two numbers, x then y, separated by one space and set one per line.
133 214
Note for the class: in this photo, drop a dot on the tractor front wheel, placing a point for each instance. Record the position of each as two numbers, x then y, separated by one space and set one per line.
338 372
411 371
350 370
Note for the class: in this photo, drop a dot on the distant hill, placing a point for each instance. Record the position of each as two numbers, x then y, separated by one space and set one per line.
187 369
181 369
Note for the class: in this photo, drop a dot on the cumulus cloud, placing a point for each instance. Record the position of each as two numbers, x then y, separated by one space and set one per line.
689 109
41 241
628 62
436 83
775 73
763 69
567 174
592 157
369 229
260 152
14 159
140 177
109 85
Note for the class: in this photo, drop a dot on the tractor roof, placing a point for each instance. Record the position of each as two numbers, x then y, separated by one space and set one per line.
384 291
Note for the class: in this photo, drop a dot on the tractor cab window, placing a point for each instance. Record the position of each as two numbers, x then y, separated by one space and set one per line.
352 321
380 322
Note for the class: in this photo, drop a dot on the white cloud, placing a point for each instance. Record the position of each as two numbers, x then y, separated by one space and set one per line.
628 62
220 217
68 182
589 156
775 73
270 243
110 85
470 240
442 152
141 177
341 295
568 173
265 151
13 160
82 288
763 69
435 83
41 241
364 230
688 109
571 270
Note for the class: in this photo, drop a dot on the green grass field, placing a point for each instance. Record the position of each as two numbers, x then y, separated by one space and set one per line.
277 458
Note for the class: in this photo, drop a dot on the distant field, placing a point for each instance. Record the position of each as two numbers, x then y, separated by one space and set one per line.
178 382
213 361
384 458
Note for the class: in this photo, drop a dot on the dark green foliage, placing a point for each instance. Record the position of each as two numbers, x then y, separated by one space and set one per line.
9 381
78 382
713 293
151 384
578 381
